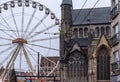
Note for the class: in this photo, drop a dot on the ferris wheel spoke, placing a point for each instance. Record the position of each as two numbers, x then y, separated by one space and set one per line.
6 33
35 27
44 47
14 20
4 25
7 25
22 22
44 39
5 38
41 55
7 28
5 59
28 60
31 49
20 61
48 59
53 25
11 61
53 69
5 44
29 23
31 55
21 35
7 49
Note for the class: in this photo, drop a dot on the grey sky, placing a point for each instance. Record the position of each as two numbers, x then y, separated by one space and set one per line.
54 5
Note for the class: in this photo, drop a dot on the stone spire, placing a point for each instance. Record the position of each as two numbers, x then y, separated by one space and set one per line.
67 2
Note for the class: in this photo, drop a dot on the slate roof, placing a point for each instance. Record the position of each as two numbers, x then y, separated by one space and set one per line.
81 42
52 58
96 16
67 2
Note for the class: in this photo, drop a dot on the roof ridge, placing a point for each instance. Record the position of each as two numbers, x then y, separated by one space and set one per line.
93 8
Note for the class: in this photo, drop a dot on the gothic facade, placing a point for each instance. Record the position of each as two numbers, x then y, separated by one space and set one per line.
85 52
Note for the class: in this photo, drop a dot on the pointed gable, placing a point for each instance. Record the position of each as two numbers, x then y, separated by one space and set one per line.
103 41
76 46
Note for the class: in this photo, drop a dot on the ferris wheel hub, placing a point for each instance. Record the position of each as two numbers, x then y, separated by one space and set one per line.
24 33
19 41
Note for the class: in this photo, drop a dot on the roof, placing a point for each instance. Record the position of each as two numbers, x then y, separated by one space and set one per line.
94 16
81 42
67 2
52 58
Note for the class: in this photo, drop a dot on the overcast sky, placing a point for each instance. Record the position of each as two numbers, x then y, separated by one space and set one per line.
54 5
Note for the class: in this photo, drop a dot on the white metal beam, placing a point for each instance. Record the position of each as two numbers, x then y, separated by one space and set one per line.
11 61
28 61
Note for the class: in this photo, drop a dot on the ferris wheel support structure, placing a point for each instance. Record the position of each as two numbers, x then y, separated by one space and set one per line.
11 61
25 28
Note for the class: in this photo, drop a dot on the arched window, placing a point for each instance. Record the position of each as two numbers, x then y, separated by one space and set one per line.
76 32
108 32
77 67
81 32
86 32
103 63
102 30
97 32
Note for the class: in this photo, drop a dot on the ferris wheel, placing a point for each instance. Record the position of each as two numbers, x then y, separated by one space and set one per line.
26 28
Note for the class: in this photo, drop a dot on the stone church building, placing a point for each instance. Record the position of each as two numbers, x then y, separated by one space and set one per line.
85 51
